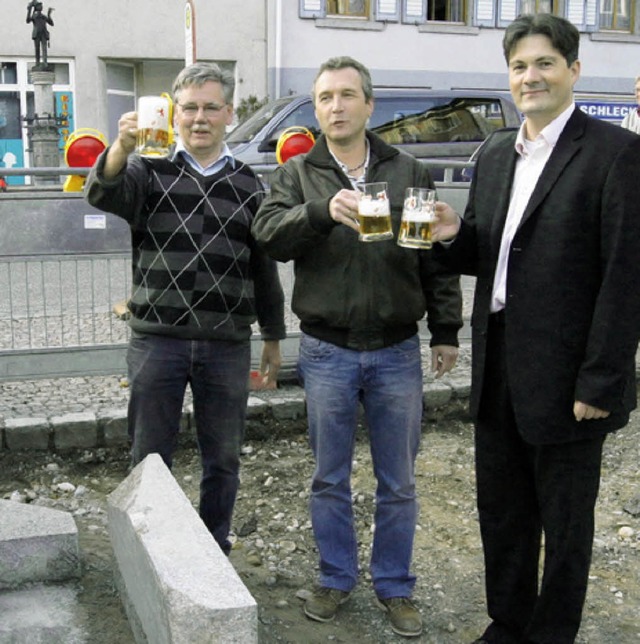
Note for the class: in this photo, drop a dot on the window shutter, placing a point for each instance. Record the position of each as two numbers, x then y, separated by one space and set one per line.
591 11
388 10
583 14
312 8
485 13
508 12
414 11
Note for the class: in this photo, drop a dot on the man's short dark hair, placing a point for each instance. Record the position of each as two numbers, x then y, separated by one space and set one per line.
563 35
344 62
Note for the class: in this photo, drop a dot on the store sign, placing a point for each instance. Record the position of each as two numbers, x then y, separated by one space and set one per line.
64 110
605 111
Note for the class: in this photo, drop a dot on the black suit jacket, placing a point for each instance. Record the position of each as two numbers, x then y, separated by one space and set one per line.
573 280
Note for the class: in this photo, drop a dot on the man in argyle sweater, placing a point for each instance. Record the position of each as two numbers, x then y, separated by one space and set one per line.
199 283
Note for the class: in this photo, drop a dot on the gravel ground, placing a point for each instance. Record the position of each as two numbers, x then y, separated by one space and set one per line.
274 552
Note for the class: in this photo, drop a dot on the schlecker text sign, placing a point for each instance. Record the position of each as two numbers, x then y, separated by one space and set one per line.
605 111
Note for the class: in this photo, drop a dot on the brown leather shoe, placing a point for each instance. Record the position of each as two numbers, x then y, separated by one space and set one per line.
323 604
404 617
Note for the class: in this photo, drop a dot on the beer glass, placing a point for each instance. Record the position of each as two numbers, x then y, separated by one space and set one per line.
154 126
374 214
417 214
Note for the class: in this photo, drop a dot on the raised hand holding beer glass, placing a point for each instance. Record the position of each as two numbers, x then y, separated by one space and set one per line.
374 212
446 223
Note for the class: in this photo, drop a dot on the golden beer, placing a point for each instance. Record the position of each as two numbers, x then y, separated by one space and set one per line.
151 142
154 117
374 214
415 233
417 215
375 227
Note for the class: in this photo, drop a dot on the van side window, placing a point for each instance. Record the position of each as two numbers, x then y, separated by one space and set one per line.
442 121
303 116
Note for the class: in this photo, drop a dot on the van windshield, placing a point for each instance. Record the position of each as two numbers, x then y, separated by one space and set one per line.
246 131
435 119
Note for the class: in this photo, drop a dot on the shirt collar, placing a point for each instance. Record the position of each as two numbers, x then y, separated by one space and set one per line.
549 135
225 155
365 164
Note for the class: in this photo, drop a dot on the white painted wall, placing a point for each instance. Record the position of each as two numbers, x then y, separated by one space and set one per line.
93 31
404 55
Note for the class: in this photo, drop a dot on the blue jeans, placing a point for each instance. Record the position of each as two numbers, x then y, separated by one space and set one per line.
388 383
160 368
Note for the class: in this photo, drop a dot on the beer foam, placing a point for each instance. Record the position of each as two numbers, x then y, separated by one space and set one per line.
373 208
423 216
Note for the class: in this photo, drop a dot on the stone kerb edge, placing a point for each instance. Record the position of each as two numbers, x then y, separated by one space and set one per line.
87 430
179 585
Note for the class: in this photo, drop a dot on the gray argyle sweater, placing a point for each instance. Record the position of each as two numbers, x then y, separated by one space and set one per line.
197 272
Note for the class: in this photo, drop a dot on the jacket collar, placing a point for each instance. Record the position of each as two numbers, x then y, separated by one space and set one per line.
568 145
379 151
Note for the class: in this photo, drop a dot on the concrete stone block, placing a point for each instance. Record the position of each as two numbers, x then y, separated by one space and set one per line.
76 430
437 394
460 383
39 614
288 407
37 544
27 433
178 584
113 427
256 407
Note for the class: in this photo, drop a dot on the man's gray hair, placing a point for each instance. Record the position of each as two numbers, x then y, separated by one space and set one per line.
200 73
344 62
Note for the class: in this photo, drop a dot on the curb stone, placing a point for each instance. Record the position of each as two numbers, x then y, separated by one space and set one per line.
87 430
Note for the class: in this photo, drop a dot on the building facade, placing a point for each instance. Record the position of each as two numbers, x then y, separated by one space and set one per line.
450 44
107 53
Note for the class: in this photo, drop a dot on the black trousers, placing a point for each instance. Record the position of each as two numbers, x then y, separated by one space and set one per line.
524 492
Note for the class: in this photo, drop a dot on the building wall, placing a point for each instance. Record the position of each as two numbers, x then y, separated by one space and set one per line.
147 33
434 55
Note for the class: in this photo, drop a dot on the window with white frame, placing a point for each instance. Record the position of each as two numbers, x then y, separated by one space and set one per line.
407 11
121 94
17 107
446 10
537 6
616 15
500 13
348 8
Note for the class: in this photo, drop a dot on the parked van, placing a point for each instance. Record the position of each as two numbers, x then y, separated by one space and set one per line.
429 124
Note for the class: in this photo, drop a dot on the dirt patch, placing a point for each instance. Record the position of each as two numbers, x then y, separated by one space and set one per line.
275 553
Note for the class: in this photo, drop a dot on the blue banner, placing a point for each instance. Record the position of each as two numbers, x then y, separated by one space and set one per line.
12 156
604 110
64 109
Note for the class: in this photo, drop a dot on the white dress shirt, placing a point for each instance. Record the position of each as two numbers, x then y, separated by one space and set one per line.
216 166
533 156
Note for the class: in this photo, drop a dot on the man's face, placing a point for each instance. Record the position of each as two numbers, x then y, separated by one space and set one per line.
341 108
201 118
540 80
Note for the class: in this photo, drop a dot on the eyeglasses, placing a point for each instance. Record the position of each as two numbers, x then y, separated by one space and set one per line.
190 110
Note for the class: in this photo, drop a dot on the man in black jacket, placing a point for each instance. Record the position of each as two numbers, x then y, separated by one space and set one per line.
359 304
552 233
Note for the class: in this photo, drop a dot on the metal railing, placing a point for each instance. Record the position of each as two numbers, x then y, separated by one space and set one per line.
61 280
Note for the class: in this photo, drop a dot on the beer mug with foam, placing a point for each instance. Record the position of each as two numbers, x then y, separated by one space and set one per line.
374 213
417 215
155 132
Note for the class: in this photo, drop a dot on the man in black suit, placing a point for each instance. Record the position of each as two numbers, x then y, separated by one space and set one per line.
552 232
